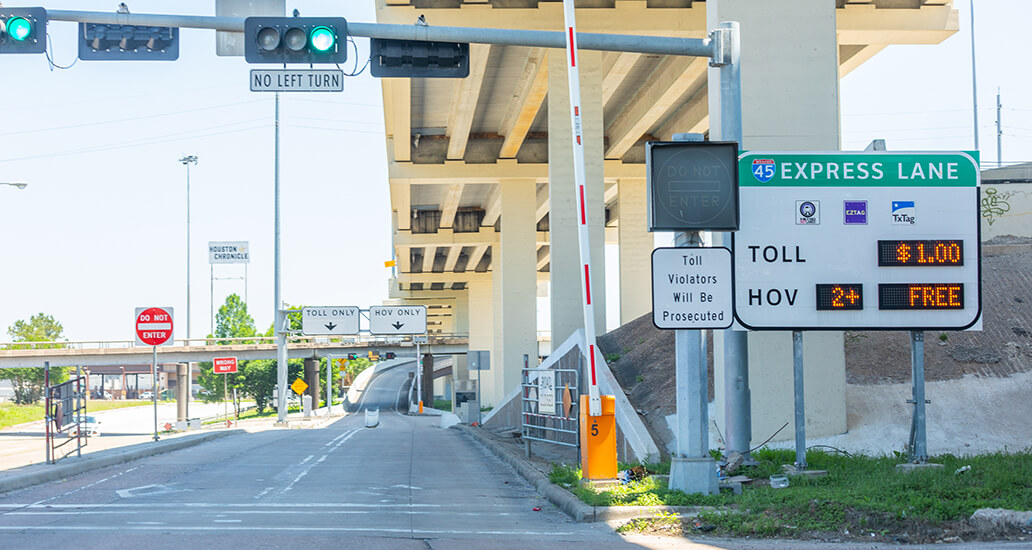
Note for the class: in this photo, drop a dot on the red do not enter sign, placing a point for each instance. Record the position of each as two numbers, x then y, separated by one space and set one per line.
154 325
225 365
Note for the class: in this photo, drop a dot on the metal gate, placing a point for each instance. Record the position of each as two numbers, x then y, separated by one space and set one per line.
560 427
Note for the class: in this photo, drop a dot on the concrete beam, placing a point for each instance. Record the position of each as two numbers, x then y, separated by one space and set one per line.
852 56
672 79
450 203
453 257
525 103
492 207
429 252
464 101
477 255
397 100
466 173
693 116
616 66
542 203
867 24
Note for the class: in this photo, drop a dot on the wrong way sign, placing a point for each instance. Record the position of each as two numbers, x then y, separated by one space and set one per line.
153 326
224 365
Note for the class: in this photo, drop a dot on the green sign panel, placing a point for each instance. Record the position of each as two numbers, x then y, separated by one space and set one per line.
858 169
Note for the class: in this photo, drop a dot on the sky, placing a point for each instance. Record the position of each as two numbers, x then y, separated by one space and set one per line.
101 228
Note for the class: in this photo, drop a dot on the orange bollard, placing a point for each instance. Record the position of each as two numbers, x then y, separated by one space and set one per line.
598 440
420 407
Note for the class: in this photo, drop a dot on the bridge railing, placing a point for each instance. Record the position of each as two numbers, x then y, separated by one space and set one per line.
357 340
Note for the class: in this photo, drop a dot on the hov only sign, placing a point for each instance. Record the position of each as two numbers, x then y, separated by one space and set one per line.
153 326
691 288
397 319
328 321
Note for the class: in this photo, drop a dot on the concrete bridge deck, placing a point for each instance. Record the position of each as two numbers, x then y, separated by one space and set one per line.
97 353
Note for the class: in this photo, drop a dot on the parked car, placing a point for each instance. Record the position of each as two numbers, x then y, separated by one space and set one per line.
90 426
147 395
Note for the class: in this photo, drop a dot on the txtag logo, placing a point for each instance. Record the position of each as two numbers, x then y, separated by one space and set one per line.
903 213
763 169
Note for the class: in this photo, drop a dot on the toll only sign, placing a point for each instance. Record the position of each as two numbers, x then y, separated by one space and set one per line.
691 288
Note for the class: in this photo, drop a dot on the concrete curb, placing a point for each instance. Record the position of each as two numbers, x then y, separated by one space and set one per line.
102 459
566 501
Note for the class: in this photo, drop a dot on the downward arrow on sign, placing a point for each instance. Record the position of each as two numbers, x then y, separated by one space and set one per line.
330 326
398 325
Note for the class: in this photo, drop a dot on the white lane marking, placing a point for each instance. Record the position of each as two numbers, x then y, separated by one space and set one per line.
307 458
150 526
224 505
263 493
126 493
332 441
142 523
312 465
261 512
72 492
227 521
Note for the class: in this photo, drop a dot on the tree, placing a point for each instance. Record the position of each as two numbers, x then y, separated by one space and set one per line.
29 382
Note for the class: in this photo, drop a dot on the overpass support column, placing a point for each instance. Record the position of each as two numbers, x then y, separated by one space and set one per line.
515 299
636 245
311 374
481 319
566 273
790 102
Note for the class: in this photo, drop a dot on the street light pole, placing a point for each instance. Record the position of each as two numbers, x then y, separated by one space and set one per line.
18 184
187 161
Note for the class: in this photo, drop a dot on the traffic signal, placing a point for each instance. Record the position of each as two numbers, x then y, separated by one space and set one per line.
352 356
390 355
417 59
101 42
295 39
23 30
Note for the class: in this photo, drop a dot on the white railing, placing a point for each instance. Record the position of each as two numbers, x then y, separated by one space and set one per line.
357 340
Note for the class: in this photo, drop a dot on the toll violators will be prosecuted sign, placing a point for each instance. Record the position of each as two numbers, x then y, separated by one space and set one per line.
691 288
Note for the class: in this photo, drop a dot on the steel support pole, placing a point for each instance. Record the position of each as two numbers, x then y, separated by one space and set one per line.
918 437
187 163
278 315
974 78
329 386
46 414
737 407
800 405
668 45
154 382
78 403
419 379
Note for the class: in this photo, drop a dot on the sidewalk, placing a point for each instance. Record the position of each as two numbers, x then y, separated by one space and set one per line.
23 452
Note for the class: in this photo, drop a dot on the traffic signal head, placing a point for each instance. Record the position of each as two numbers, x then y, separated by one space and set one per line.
391 355
99 42
417 59
352 356
295 39
23 30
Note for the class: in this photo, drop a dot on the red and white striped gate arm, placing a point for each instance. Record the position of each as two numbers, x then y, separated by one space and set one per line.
594 355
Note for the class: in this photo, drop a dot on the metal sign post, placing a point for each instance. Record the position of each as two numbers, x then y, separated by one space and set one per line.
918 439
800 405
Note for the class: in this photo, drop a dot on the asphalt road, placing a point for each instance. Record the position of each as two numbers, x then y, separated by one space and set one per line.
404 484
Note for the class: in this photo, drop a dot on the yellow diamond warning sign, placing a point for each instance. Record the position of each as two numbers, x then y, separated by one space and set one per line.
299 386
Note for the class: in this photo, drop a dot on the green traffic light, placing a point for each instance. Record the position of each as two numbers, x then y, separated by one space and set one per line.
323 39
19 28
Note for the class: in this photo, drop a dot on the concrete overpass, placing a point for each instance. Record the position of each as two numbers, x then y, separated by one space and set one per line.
471 157
90 354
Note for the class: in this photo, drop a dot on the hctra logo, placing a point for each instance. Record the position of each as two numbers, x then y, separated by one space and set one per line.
763 169
903 212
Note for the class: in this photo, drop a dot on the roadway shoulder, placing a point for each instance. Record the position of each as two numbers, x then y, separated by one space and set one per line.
561 498
35 474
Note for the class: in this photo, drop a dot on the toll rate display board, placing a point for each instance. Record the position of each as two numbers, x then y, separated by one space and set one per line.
872 240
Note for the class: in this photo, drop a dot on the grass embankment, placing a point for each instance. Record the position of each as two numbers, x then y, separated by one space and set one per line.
859 496
11 414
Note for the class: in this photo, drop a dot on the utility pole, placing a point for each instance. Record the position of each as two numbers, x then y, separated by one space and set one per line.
999 130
